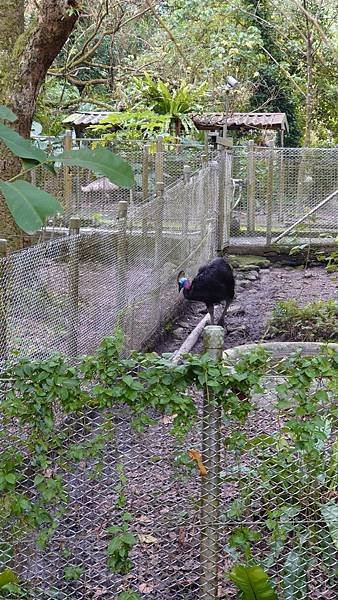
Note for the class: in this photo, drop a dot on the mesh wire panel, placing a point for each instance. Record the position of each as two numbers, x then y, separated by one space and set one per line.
273 188
65 295
265 502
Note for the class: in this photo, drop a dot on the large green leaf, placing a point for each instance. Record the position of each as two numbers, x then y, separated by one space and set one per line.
6 114
101 161
7 577
20 146
253 583
28 204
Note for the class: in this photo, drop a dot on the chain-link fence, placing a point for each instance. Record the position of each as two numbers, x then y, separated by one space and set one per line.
279 189
66 294
116 513
94 198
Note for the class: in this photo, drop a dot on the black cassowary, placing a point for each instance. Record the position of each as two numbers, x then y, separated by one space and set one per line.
213 284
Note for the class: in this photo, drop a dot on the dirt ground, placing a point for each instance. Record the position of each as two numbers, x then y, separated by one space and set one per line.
257 291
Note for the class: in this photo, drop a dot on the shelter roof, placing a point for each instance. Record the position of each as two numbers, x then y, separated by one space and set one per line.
237 120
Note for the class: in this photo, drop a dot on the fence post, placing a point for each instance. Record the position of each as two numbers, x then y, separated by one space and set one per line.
122 212
67 173
210 488
269 194
145 172
221 200
281 187
186 199
251 188
159 185
228 205
3 301
73 282
206 145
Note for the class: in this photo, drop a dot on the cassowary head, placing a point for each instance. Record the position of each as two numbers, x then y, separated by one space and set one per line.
182 281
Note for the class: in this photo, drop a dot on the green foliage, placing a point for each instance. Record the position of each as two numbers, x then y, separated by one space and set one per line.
294 468
30 205
128 595
288 474
253 583
317 321
7 577
73 572
120 546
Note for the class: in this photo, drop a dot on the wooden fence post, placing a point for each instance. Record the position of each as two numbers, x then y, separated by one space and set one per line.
67 173
269 194
73 285
206 145
251 188
281 186
145 173
3 302
122 212
221 201
159 185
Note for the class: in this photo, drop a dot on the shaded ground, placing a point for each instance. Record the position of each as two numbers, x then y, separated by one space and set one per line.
257 292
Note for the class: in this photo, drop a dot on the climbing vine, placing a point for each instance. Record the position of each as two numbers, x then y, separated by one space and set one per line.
45 399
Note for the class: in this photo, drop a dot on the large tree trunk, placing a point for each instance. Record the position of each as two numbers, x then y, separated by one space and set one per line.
25 57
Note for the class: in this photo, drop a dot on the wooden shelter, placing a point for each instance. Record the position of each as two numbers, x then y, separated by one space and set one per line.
213 122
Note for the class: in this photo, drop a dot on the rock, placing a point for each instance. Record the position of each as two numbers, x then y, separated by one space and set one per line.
252 276
179 333
236 309
238 330
307 274
184 324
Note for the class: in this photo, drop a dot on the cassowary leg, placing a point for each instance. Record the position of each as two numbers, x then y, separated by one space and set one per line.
210 308
221 319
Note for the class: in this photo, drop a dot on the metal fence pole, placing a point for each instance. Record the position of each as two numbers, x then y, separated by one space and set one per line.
67 173
73 282
251 188
269 195
159 201
3 301
210 489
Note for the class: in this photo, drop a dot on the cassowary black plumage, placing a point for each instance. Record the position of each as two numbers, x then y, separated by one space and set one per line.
213 284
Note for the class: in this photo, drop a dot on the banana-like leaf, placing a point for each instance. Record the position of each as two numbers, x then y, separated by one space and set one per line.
253 583
103 162
20 146
28 204
7 577
6 114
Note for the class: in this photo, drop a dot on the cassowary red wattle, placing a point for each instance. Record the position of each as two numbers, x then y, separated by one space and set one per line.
213 284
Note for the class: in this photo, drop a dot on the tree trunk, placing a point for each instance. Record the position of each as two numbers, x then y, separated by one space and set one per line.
25 57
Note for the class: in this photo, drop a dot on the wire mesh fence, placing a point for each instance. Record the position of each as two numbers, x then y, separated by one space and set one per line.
115 512
66 294
274 189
